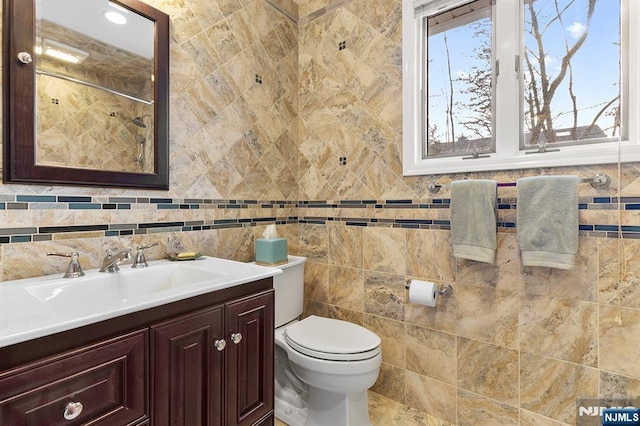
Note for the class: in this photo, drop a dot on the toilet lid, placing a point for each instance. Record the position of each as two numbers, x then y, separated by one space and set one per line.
332 339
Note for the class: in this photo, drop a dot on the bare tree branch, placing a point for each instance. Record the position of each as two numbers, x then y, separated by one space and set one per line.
559 14
478 85
451 126
572 96
542 121
599 114
566 60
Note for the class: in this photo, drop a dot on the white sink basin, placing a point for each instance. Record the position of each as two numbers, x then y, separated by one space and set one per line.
37 307
90 291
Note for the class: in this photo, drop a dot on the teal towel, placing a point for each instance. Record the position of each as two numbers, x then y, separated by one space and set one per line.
548 220
473 219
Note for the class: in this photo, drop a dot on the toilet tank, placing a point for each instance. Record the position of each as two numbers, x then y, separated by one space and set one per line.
289 290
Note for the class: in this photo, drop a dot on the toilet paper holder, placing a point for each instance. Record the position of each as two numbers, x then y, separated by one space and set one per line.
443 290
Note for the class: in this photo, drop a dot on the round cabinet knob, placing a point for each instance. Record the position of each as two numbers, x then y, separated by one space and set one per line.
236 338
220 344
25 58
72 410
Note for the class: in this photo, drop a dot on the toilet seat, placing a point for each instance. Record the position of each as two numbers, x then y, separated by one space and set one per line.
331 339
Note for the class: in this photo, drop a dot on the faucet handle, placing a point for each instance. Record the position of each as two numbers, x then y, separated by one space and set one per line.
74 270
110 253
140 260
112 259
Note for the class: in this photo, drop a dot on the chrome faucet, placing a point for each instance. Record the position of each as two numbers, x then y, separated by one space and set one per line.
112 260
74 270
140 261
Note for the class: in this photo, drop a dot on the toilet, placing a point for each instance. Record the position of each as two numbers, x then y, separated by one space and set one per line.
323 366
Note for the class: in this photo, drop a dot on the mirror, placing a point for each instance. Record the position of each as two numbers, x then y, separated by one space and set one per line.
85 99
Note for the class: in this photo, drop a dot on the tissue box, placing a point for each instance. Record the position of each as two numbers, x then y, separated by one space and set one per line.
271 251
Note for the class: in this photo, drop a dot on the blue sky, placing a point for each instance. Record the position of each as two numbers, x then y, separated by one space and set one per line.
595 65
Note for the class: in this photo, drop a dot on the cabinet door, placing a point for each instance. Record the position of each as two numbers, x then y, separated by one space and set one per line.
103 384
250 383
187 370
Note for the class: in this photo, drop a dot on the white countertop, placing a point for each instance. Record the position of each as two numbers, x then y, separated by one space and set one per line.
36 307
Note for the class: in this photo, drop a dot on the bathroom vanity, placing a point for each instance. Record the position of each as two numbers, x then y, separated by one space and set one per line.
196 354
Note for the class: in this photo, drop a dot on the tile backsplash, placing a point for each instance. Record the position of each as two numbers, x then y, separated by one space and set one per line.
289 112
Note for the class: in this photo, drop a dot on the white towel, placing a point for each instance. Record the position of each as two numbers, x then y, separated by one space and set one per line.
473 219
548 220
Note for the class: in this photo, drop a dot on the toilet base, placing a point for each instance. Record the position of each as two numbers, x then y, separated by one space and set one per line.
290 392
289 413
328 408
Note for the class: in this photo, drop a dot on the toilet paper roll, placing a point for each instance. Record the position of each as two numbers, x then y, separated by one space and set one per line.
423 293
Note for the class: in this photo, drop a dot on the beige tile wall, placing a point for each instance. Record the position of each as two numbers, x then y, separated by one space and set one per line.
512 345
512 350
230 138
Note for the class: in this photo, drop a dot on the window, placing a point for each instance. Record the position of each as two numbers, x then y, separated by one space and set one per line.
505 84
457 76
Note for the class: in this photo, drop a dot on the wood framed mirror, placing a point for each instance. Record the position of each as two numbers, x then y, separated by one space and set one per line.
85 100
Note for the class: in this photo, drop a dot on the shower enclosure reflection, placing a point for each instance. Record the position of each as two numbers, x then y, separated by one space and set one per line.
93 91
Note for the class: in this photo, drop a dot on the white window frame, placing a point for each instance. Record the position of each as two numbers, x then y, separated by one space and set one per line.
508 119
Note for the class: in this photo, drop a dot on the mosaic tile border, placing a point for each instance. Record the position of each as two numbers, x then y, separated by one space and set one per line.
603 231
47 233
35 202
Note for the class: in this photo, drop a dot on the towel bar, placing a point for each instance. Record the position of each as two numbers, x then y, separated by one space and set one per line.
598 181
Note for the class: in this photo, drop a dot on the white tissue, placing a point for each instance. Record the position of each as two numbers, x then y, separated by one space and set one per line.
423 293
270 232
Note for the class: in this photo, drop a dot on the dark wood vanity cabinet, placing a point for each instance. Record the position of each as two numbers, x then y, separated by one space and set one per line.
102 384
249 363
205 361
187 370
215 366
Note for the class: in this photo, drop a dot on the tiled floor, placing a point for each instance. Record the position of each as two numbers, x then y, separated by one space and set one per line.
386 412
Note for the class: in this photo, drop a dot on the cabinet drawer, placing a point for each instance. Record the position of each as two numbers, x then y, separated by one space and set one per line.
108 379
